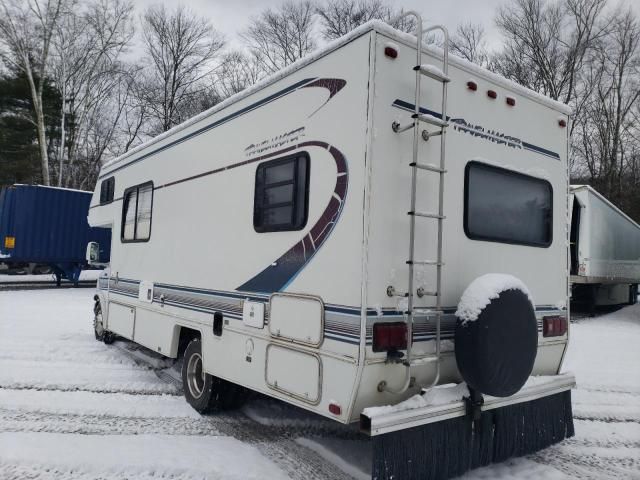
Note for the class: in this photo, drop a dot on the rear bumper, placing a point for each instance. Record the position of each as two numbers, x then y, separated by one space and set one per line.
391 422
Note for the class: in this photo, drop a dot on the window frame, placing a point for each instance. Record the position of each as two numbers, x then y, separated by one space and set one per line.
123 216
289 227
111 181
512 173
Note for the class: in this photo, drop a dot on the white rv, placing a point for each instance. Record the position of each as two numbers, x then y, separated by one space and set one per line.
305 239
605 250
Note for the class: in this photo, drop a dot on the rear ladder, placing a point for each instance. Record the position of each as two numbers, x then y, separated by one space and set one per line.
440 123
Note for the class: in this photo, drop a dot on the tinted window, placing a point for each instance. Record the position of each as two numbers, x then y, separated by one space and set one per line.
281 194
107 188
136 213
505 206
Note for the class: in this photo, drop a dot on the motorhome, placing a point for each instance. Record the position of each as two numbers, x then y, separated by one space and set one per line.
311 238
605 250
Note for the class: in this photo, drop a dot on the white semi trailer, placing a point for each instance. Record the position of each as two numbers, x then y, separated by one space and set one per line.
312 238
605 250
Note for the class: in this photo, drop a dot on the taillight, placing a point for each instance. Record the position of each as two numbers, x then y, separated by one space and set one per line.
389 336
335 408
555 326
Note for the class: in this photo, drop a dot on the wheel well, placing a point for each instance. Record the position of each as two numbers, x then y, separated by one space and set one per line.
186 335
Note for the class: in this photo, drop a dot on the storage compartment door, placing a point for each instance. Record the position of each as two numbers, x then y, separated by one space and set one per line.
294 373
121 319
298 318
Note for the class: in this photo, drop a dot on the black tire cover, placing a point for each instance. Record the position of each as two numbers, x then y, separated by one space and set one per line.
496 352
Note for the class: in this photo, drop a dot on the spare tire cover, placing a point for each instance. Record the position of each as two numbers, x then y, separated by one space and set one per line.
496 352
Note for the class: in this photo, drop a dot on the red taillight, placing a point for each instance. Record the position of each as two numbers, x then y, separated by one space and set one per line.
492 94
473 86
389 336
335 408
555 326
390 52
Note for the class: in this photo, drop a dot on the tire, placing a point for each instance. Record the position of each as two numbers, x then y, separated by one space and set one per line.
99 331
204 392
495 353
98 325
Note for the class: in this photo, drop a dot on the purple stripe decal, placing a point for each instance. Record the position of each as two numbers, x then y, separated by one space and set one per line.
279 274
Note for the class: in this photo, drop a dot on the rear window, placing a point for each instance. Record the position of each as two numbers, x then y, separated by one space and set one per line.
506 206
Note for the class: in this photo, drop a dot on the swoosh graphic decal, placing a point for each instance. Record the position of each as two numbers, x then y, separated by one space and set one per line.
277 276
334 85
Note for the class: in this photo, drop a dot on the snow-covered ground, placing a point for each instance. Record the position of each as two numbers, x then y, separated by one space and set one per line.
74 408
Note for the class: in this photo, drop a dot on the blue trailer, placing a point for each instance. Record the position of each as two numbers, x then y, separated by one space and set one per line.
48 225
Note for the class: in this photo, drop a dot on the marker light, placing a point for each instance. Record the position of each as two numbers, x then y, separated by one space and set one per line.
511 101
473 86
390 52
335 408
492 94
562 122
9 242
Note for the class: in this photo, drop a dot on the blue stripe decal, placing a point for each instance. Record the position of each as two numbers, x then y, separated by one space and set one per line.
492 136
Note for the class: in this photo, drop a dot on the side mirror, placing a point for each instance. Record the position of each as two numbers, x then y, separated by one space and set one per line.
93 253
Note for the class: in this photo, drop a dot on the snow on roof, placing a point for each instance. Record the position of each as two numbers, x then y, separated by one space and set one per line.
373 25
482 290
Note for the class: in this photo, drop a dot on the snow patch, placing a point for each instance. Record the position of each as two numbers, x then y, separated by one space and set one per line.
440 395
128 456
482 290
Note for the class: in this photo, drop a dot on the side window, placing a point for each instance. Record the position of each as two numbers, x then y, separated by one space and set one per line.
137 206
281 200
506 206
107 188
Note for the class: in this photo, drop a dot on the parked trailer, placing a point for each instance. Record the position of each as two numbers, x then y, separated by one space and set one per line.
605 250
305 239
48 226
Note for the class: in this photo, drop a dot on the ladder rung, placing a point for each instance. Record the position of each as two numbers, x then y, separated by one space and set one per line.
426 215
427 310
434 72
424 360
424 262
427 166
430 119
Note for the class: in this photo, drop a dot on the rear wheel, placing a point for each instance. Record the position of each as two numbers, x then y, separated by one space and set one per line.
99 331
204 392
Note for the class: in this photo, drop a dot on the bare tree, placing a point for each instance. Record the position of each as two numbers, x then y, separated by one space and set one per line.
280 36
607 133
26 31
546 43
237 71
87 48
339 17
469 43
181 48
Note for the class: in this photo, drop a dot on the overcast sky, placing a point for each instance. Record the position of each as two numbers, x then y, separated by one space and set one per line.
231 16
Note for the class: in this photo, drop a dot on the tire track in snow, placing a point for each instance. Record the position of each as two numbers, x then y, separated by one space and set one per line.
592 463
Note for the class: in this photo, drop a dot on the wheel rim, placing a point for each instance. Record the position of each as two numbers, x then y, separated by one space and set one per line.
195 375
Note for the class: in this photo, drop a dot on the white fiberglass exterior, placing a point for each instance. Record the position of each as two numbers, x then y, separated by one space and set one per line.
204 256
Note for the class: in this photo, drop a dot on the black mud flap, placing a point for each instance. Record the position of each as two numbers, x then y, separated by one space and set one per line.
449 448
